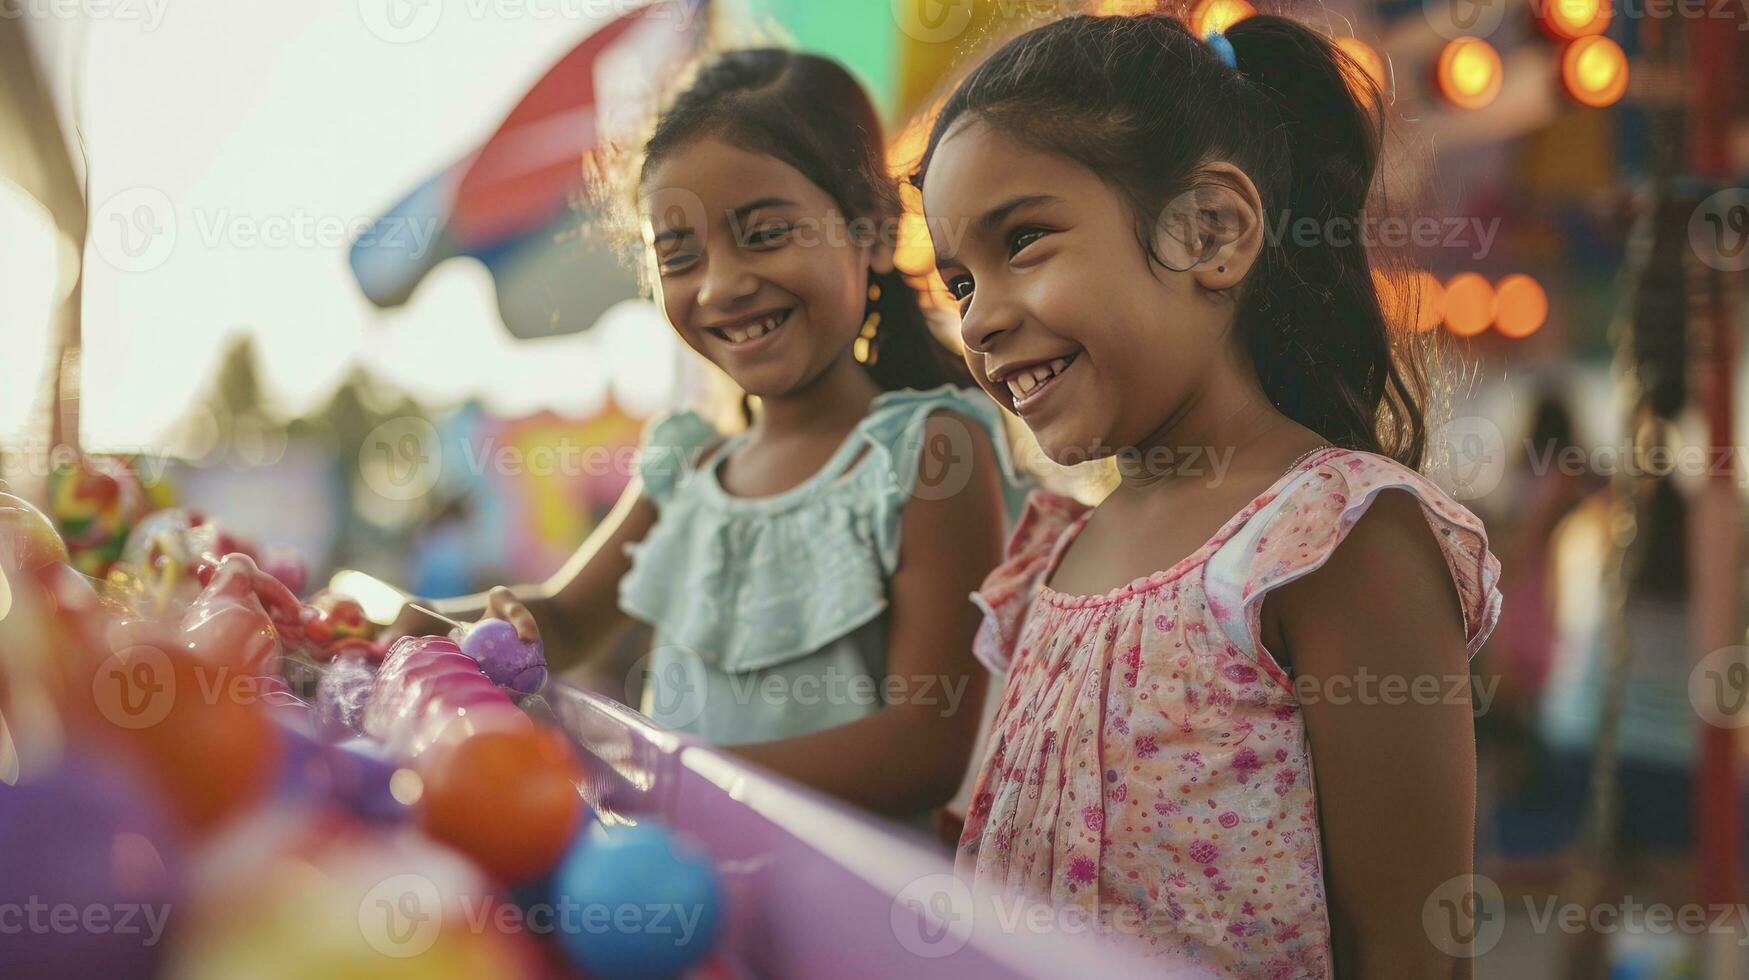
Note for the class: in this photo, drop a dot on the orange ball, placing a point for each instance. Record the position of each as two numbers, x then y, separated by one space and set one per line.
199 730
509 800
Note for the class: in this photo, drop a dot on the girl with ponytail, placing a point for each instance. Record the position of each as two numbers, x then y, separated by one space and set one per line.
1237 720
805 578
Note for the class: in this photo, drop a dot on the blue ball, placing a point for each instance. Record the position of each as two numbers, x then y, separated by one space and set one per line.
635 902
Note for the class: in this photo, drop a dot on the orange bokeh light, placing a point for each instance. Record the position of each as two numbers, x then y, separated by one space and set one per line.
1368 60
1594 71
1520 306
1218 15
1569 19
1422 307
1124 8
1469 73
1468 305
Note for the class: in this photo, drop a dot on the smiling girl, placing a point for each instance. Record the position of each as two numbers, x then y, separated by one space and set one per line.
806 578
1184 657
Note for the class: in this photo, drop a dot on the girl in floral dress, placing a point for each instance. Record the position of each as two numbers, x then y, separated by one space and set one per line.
1237 724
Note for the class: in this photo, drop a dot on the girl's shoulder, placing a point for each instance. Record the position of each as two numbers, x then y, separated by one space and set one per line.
923 438
1295 530
672 447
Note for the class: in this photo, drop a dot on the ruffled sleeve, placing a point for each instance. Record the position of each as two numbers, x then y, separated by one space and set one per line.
1312 516
750 583
1009 588
896 429
670 452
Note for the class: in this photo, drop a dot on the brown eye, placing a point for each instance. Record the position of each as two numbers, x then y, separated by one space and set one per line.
1020 238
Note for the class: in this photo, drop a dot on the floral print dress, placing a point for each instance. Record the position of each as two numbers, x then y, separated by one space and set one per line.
1149 761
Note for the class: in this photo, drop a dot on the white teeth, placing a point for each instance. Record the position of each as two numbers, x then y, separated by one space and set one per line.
1029 380
740 335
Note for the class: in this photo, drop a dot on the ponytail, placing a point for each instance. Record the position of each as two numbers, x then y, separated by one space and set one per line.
1143 103
1318 302
904 353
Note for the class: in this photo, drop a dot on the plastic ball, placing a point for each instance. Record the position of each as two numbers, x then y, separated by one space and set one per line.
619 878
312 898
198 730
87 871
27 537
509 800
511 663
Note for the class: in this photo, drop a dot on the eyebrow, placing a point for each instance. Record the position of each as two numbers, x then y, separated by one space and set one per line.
994 217
744 210
740 214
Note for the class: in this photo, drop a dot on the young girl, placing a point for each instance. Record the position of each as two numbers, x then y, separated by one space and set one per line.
806 578
1272 591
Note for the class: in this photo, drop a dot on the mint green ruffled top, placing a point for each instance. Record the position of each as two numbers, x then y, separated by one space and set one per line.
770 613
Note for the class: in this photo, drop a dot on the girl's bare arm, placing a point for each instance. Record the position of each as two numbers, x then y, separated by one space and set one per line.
1376 639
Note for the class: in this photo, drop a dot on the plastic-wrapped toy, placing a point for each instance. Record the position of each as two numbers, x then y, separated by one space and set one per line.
341 696
334 624
95 501
27 537
429 695
486 765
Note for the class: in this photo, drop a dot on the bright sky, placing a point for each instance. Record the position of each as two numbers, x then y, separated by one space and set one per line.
266 130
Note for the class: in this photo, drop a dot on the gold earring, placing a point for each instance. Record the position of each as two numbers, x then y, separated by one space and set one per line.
867 346
874 291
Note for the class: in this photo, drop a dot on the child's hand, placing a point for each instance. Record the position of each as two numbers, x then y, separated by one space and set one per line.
501 603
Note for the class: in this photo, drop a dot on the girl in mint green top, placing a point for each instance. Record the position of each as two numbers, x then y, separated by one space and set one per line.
770 613
808 578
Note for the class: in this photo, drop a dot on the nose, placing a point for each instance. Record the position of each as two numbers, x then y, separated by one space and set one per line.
986 319
725 280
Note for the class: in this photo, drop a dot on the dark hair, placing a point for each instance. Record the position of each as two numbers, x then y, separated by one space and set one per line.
810 113
1142 102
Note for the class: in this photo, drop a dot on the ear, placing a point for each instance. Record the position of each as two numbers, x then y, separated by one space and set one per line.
1215 230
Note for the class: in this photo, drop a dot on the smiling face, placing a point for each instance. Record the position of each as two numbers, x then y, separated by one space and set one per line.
1066 321
756 267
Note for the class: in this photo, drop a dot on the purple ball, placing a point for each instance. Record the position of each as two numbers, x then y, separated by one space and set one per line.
88 866
509 662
